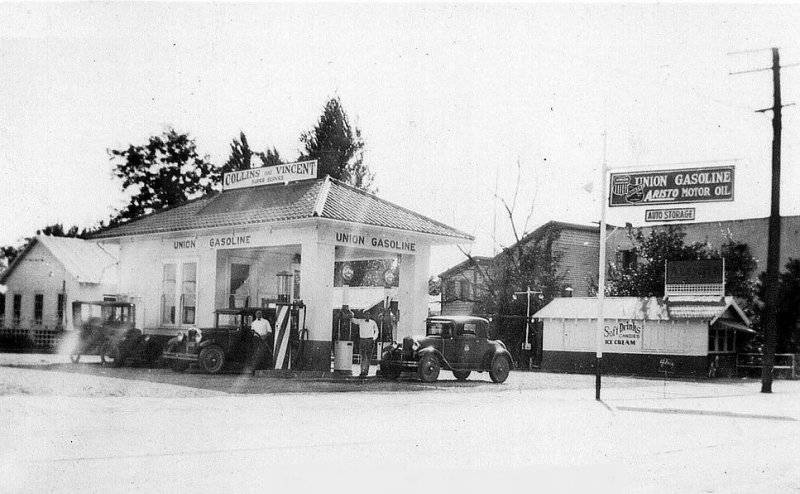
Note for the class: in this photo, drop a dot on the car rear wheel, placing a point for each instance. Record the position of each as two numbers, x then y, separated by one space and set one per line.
461 375
428 368
212 358
501 365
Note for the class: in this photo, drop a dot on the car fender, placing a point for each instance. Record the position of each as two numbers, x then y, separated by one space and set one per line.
494 352
173 341
431 350
206 343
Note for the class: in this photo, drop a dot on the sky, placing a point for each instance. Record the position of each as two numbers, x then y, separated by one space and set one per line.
454 101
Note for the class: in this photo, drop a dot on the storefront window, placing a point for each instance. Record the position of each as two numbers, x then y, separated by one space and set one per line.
721 341
168 294
188 292
38 308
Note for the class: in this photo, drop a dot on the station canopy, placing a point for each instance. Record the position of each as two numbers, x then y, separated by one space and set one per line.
324 198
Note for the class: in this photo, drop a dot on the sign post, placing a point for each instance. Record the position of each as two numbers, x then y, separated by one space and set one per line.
601 276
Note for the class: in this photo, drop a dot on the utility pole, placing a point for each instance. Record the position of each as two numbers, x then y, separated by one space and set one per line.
774 232
774 241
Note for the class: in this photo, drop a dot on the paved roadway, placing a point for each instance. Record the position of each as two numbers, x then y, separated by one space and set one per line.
89 429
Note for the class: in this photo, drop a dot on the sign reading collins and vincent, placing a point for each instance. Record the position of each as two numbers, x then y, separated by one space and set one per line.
681 186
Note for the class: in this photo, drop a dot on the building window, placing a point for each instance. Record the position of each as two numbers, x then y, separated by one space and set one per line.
296 294
721 341
62 303
2 310
463 290
449 290
168 282
188 292
38 308
17 314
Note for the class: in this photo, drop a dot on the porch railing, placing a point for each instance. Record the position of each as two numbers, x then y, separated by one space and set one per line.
783 361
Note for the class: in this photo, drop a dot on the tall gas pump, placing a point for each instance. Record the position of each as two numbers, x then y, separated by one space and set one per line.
343 347
289 330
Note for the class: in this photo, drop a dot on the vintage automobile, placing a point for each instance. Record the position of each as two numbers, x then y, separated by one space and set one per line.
460 344
106 329
230 343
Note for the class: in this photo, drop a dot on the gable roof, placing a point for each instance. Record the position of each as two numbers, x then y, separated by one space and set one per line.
466 264
646 308
85 261
322 198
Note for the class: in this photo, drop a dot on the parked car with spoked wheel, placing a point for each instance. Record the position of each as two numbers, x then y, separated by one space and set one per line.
231 343
460 344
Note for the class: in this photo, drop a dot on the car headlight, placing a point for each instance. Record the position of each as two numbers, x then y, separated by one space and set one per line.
415 346
199 335
181 336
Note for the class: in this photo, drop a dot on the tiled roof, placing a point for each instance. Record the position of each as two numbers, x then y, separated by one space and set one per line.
325 198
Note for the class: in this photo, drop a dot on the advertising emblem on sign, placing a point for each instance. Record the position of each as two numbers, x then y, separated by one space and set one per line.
680 186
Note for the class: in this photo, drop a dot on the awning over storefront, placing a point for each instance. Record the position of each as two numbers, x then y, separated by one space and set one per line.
734 325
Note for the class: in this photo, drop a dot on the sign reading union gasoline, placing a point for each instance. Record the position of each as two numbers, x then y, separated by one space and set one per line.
283 173
708 184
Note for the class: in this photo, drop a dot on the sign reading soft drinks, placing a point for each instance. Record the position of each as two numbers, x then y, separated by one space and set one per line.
708 184
283 173
623 336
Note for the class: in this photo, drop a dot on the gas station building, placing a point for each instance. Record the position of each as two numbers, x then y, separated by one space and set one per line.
271 237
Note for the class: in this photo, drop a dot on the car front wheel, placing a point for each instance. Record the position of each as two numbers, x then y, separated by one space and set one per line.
212 358
428 368
500 368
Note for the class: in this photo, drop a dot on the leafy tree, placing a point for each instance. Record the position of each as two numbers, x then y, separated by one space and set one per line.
164 172
57 230
338 147
788 340
9 252
645 278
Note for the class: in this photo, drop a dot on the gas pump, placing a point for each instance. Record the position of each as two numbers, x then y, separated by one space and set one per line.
343 348
289 331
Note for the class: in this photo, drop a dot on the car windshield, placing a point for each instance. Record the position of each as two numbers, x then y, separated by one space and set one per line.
231 320
439 328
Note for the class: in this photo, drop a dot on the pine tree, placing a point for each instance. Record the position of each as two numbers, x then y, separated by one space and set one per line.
338 147
241 157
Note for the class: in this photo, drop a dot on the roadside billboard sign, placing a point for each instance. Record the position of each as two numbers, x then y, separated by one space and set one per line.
266 175
679 186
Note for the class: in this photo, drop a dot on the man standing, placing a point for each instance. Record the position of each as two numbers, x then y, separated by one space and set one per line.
367 332
263 329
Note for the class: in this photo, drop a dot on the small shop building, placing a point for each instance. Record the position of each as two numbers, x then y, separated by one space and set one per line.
694 330
268 237
33 303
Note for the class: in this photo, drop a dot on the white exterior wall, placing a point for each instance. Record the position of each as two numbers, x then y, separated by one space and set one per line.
688 337
412 299
39 272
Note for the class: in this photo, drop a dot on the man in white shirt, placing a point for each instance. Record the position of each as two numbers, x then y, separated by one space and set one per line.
263 329
260 325
367 332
